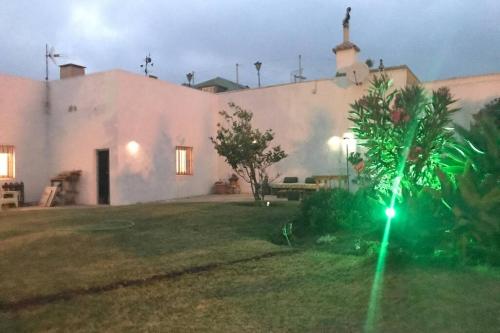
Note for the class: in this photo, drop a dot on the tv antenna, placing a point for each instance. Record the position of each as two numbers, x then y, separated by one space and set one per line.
52 55
299 76
147 61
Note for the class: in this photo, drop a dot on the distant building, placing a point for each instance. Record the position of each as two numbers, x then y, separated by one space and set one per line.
137 139
218 85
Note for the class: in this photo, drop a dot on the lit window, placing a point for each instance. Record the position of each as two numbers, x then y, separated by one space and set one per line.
7 161
184 160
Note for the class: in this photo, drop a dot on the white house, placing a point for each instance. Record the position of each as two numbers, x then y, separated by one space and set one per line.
138 139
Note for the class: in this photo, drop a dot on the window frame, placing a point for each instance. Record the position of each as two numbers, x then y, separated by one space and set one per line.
188 163
10 150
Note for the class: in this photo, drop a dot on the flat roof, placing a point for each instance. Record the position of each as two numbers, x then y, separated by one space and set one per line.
72 65
372 70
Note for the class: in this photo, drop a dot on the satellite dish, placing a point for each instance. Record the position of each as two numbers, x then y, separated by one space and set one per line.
357 73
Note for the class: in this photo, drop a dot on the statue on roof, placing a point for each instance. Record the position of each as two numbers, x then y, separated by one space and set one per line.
345 23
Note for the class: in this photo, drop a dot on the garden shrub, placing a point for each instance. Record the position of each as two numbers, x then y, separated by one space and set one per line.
470 182
422 225
293 195
403 132
325 211
365 209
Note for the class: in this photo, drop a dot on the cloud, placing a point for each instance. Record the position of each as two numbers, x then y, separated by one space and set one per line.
435 39
86 20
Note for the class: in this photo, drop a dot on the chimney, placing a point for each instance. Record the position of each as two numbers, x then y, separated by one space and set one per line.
346 52
346 34
71 70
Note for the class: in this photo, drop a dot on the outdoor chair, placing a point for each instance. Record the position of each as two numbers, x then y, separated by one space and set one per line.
9 198
283 193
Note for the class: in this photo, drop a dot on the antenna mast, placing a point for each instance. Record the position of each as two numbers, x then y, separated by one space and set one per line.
299 76
300 67
49 54
237 74
46 62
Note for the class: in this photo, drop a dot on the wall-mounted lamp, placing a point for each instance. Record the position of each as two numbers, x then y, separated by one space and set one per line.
133 148
334 143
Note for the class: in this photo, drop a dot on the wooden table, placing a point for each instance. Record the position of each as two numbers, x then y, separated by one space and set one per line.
330 181
293 186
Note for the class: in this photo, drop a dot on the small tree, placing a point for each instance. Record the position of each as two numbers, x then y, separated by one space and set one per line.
246 149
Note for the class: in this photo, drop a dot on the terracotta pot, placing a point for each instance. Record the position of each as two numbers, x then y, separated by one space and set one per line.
220 188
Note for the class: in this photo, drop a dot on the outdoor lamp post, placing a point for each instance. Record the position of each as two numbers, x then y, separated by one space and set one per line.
258 64
346 141
189 77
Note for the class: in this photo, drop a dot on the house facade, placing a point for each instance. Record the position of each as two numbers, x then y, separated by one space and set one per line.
138 139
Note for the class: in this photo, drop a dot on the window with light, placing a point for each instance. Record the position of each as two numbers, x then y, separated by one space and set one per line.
7 161
183 160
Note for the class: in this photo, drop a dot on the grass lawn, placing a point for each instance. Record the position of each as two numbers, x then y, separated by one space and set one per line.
313 289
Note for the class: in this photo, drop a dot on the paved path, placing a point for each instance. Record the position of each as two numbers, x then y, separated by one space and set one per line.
224 198
200 198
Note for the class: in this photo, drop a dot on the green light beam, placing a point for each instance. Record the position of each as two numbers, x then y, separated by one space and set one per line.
376 291
390 212
378 280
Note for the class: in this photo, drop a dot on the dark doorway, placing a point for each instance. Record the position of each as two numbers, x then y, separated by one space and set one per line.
103 177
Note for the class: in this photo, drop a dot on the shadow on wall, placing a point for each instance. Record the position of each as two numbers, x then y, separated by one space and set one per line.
313 156
468 108
157 182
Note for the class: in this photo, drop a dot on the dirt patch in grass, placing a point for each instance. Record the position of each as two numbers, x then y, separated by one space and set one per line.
70 294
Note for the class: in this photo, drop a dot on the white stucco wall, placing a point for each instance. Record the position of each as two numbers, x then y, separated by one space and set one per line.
114 108
23 124
76 135
108 110
160 116
472 93
303 117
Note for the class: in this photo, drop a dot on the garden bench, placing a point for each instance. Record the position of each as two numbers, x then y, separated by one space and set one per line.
294 191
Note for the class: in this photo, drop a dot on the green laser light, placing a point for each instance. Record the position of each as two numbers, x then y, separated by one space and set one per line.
390 212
